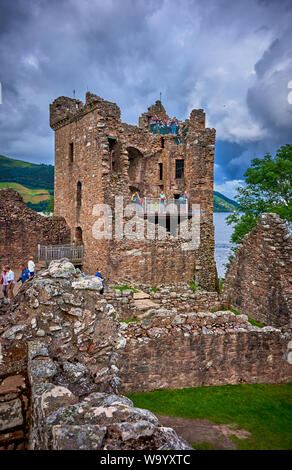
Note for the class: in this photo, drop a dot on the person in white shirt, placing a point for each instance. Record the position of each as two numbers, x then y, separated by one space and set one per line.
31 266
10 282
3 281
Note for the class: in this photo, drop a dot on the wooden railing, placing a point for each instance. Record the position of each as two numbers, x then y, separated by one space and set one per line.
73 252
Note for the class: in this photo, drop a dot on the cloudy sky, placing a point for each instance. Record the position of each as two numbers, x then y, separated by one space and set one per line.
232 58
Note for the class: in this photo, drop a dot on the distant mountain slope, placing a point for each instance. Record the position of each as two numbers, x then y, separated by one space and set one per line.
33 178
27 174
223 203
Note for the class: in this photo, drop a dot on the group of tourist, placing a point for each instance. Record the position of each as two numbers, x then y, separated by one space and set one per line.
164 126
136 199
7 278
181 201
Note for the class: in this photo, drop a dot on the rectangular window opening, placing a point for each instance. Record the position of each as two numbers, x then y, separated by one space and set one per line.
179 169
71 152
160 171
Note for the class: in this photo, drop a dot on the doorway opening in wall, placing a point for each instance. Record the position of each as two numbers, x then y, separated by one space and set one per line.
162 142
112 142
78 236
78 199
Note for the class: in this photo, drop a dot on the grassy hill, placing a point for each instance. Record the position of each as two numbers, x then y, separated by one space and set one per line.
36 184
223 203
31 196
26 174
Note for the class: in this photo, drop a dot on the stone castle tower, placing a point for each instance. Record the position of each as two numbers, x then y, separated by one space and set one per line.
98 157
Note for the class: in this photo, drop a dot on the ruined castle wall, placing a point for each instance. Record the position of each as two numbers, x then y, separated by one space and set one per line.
164 262
22 229
258 282
178 297
204 349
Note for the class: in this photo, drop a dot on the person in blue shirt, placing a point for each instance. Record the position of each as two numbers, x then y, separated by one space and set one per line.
181 202
97 274
25 274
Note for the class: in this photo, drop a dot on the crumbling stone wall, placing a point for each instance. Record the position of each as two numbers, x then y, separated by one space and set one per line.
22 229
104 158
177 298
14 395
258 282
191 350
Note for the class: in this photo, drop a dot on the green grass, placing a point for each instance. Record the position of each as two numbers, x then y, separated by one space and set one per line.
221 284
256 323
130 320
203 445
121 288
154 289
193 286
264 410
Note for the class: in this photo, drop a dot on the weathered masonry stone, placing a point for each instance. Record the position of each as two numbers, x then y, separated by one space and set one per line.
192 350
14 395
258 282
98 157
10 414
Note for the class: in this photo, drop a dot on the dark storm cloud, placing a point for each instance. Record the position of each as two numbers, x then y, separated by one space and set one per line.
231 58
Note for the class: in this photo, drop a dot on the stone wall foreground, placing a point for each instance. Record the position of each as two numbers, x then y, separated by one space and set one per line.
199 349
258 282
56 332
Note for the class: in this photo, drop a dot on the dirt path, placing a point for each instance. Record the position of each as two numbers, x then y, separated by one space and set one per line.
202 430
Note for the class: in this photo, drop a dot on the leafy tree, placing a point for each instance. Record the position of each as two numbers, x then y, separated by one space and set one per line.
268 188
50 208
